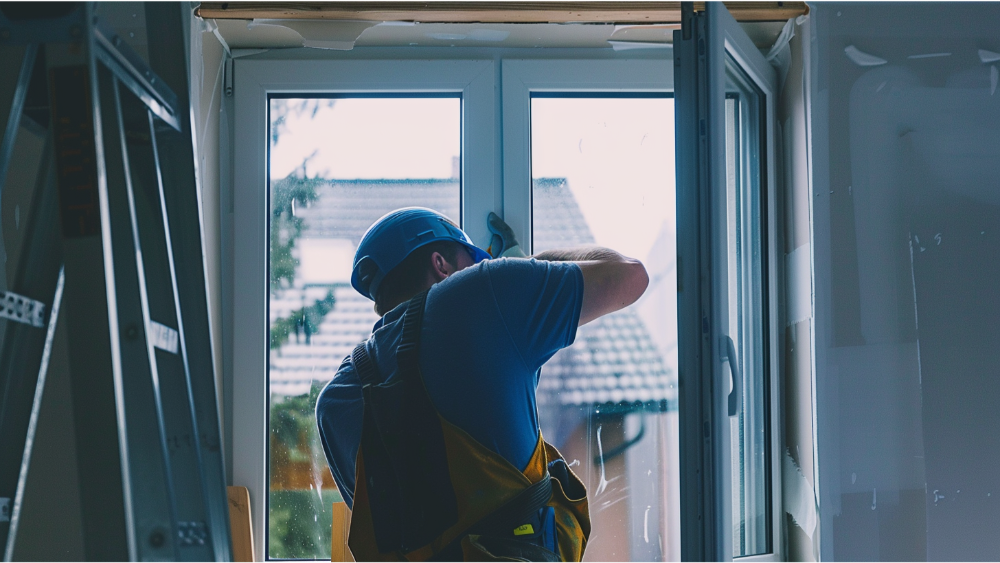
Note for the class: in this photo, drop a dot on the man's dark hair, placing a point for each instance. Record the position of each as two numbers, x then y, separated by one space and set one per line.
406 280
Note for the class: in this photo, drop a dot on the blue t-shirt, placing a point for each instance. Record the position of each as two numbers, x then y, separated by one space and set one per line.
487 330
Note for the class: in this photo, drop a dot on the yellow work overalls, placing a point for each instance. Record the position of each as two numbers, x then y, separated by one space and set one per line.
430 491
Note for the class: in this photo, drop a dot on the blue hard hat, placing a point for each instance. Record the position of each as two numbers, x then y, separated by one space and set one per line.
393 237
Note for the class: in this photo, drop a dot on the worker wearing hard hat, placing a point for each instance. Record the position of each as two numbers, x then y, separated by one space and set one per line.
430 426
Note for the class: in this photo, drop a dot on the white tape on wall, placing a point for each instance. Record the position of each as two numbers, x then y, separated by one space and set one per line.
798 285
798 495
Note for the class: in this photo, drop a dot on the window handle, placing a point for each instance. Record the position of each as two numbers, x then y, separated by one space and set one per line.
729 355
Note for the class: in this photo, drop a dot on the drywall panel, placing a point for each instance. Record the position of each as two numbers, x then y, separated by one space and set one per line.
906 201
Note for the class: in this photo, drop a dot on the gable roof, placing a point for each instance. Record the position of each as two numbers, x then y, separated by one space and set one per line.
614 360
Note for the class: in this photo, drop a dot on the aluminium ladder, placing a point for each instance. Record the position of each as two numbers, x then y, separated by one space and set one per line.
97 175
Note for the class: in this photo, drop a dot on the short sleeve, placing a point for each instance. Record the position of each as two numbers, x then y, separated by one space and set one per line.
540 304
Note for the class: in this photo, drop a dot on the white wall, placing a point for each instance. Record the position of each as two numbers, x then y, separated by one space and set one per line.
906 206
798 485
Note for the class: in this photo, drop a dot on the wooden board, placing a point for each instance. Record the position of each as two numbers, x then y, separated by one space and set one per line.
240 523
626 12
339 531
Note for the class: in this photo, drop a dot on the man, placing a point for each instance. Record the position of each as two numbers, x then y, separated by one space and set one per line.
430 426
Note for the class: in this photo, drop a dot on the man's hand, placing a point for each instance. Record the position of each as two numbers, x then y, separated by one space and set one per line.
504 243
610 281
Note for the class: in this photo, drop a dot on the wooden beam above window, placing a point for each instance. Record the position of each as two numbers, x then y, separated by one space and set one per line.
626 12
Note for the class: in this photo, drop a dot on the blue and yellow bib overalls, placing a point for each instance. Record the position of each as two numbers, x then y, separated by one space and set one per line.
427 491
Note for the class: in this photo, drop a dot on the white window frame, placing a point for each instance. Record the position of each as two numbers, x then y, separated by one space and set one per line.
738 46
746 55
522 77
495 173
701 163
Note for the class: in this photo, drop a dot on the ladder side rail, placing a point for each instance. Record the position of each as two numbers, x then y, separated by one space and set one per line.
183 197
24 344
11 380
133 72
180 428
13 122
149 498
36 407
101 116
164 223
128 79
70 85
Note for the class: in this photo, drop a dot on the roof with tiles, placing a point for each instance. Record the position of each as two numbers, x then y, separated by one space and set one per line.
614 360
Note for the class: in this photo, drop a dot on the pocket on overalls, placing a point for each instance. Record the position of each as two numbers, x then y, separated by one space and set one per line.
491 548
572 512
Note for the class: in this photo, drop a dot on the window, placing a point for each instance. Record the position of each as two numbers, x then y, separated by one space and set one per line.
331 176
571 151
726 308
602 173
750 425
314 142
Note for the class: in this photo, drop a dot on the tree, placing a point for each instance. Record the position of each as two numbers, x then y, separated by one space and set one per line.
294 438
286 195
304 322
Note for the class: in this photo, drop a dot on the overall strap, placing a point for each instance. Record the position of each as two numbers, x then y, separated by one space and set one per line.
366 368
408 351
411 496
514 512
409 487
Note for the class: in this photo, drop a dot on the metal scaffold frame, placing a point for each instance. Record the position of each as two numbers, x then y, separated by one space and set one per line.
112 249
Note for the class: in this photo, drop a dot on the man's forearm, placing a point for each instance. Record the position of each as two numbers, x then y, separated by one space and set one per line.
610 281
579 254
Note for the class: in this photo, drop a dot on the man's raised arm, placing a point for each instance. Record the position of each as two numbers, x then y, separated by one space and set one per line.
610 281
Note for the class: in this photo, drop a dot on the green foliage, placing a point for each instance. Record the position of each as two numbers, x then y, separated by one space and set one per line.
293 424
302 321
299 523
297 189
286 195
299 520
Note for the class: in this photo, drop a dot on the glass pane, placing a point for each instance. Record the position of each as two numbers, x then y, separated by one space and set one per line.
603 173
750 429
336 165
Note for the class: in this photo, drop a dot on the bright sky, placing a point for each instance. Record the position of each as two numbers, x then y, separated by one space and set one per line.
618 157
372 138
617 154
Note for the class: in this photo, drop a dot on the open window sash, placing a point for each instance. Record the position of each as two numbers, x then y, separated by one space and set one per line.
725 183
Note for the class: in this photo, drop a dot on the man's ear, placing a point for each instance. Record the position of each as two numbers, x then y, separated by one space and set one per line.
440 268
